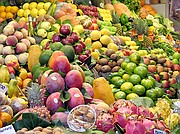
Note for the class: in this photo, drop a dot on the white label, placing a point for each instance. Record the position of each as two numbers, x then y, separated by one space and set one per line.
156 131
7 130
3 88
76 95
55 100
53 78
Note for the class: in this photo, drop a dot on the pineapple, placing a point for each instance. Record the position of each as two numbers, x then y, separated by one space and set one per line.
35 95
119 28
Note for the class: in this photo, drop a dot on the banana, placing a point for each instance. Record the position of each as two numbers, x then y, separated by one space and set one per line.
13 90
4 74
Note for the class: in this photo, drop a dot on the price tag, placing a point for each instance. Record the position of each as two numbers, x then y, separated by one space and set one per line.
7 130
3 88
156 131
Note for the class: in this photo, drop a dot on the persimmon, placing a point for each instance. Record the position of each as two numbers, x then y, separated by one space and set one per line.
5 117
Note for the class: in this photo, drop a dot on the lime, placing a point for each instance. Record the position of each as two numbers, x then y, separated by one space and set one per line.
123 64
115 90
56 46
138 89
131 96
142 64
118 83
115 78
152 79
135 79
126 77
69 52
45 56
152 94
175 61
160 92
147 83
121 72
120 95
135 57
130 67
141 71
126 87
176 55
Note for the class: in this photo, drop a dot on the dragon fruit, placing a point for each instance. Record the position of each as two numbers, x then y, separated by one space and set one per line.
104 122
144 112
162 126
149 125
135 127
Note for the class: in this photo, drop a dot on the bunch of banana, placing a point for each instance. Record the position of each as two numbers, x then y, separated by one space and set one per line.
172 120
4 74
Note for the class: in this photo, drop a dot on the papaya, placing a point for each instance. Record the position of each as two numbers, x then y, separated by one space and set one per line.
33 58
102 90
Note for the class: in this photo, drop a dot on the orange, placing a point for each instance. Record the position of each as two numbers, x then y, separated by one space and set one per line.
8 9
9 15
2 9
1 124
14 9
3 15
5 117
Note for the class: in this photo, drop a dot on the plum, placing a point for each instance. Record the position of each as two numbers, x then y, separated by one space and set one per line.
76 98
61 63
26 42
90 91
21 48
60 116
53 102
3 38
74 79
19 35
11 40
55 83
8 30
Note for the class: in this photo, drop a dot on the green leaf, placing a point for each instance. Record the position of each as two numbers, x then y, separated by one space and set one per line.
65 96
61 109
15 118
67 22
85 93
143 101
158 84
111 132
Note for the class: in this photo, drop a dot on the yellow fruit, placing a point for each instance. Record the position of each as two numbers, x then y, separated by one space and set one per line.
26 82
88 41
32 5
14 9
95 35
34 12
9 15
79 28
19 80
20 12
22 19
3 15
104 49
2 9
27 12
46 5
95 55
26 6
112 46
41 12
105 31
8 9
96 45
40 5
23 74
105 40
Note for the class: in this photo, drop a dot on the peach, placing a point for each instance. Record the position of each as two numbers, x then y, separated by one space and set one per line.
74 79
165 75
19 35
7 50
3 38
25 32
61 63
21 48
26 42
22 23
15 24
8 30
32 40
54 55
11 40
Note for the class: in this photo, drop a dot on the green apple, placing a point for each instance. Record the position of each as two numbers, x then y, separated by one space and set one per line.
44 42
56 27
45 25
42 33
50 34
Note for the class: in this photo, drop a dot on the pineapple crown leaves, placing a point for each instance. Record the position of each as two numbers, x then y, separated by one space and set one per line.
141 26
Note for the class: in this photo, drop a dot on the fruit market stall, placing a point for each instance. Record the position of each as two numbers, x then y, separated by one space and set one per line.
96 66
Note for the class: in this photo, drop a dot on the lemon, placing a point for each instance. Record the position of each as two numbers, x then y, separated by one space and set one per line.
95 35
40 5
26 6
41 12
27 12
22 18
34 12
96 45
79 28
20 12
105 31
95 55
32 5
112 46
47 5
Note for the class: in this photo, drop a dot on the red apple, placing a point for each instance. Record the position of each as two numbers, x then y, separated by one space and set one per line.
160 69
169 63
56 38
152 68
94 26
172 81
65 29
165 75
94 20
176 67
165 84
82 57
157 77
75 37
146 60
78 48
83 44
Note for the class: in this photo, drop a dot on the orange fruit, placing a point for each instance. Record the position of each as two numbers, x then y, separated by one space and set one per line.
5 117
2 9
14 9
1 124
9 15
3 15
1 20
8 9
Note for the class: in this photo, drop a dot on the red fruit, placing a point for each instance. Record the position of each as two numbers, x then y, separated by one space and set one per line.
90 91
64 41
75 37
56 38
172 81
135 127
160 68
94 26
176 67
169 63
146 60
94 20
165 75
152 68
168 92
60 116
74 79
157 77
78 48
82 57
19 35
11 40
53 102
83 44
65 29
11 70
61 63
165 84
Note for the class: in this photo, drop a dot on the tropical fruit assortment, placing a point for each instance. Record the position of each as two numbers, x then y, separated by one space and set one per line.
88 66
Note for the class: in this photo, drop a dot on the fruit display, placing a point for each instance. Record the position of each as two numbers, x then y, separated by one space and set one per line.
94 66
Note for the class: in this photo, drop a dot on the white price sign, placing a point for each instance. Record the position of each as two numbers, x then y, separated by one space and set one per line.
3 88
7 130
156 131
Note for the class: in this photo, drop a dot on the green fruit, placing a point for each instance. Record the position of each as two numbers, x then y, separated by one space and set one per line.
138 89
131 96
175 61
121 72
126 77
130 67
152 79
141 71
147 83
69 52
126 87
176 55
118 83
56 46
135 79
35 67
123 64
45 56
160 92
120 95
152 94
135 57
115 78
